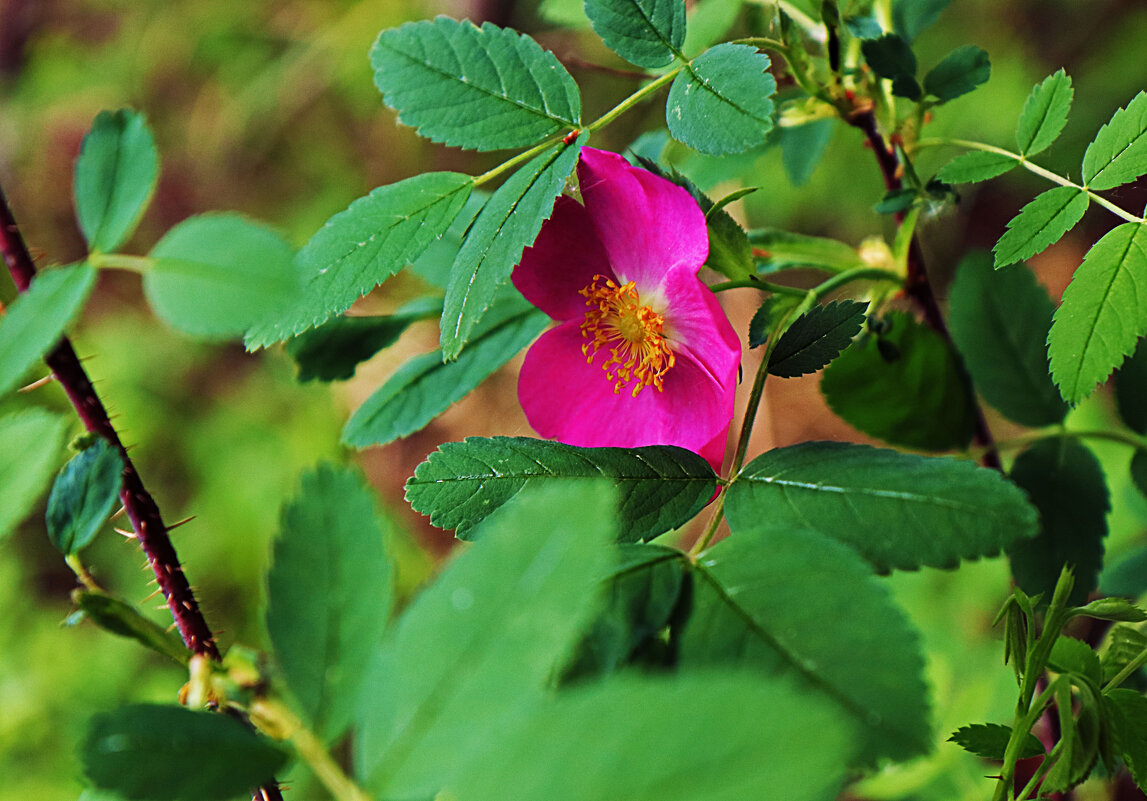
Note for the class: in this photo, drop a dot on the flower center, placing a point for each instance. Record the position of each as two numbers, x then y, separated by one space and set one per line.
633 333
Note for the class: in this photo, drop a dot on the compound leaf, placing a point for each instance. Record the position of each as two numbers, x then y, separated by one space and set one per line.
1041 223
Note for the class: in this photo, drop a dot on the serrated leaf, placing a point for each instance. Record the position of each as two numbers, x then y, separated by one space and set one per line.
32 439
1124 645
476 649
1041 223
958 73
999 320
1045 113
1118 155
722 101
975 166
771 311
785 249
359 248
803 147
328 595
218 274
911 17
38 318
660 486
169 753
643 32
485 88
120 618
84 496
816 338
1129 714
900 511
1116 609
990 740
1066 484
115 177
752 609
508 222
1131 389
890 56
1069 655
1102 314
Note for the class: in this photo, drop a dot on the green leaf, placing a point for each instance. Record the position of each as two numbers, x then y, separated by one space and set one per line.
904 385
729 250
975 166
169 753
328 594
771 311
990 740
1045 113
890 56
911 17
705 737
1102 313
1069 655
1126 576
216 275
1124 645
508 222
863 27
1129 713
643 32
31 439
332 351
753 609
485 88
897 201
115 177
787 249
1066 484
359 248
722 102
35 322
802 148
1139 470
426 386
816 338
660 487
1117 609
1131 389
476 649
433 266
898 510
999 321
120 618
1118 155
958 73
1041 223
84 496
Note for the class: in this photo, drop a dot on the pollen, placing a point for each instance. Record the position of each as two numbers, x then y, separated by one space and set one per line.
633 333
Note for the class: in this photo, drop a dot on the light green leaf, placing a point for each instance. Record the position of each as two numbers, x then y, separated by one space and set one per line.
475 650
508 222
216 275
328 595
787 249
31 440
484 88
1118 155
660 487
958 73
990 740
900 511
722 103
36 321
112 614
115 177
643 32
1102 314
816 338
975 166
84 496
1041 223
1045 113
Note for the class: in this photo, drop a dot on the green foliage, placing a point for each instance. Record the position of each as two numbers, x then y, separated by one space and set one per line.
115 177
816 338
960 72
1041 223
31 442
1045 113
1131 390
787 249
169 753
891 57
1139 470
911 17
120 618
84 495
975 166
898 510
644 32
659 487
803 147
1118 155
989 740
1128 710
729 250
485 88
1124 645
1069 655
770 313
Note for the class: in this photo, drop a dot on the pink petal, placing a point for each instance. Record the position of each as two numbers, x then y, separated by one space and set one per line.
563 259
647 224
696 323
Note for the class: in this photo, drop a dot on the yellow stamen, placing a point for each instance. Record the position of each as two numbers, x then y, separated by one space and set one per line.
634 334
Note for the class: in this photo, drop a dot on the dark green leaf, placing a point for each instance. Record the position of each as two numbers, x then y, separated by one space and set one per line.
816 338
786 249
475 650
1069 655
958 73
1119 153
508 222
999 320
169 753
1102 313
890 56
1066 484
975 166
328 595
1045 113
115 177
1129 713
1117 609
31 441
216 275
659 487
643 32
904 385
1126 576
1125 644
753 609
907 86
896 202
36 321
771 311
863 27
990 740
484 88
119 618
910 17
899 510
1131 389
722 102
1041 223
1139 470
802 148
84 496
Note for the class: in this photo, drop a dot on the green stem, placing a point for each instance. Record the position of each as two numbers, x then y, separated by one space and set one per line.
754 283
1045 767
81 571
1022 726
632 100
121 261
1128 669
1123 437
521 158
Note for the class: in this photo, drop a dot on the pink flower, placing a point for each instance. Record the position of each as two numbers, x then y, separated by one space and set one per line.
643 353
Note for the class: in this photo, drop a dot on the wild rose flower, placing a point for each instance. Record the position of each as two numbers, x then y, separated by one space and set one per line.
643 353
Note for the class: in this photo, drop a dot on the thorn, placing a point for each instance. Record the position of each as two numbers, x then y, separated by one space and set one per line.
181 522
129 534
170 628
121 510
187 605
40 382
152 595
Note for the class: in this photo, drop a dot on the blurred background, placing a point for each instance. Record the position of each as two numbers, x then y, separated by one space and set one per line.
267 107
